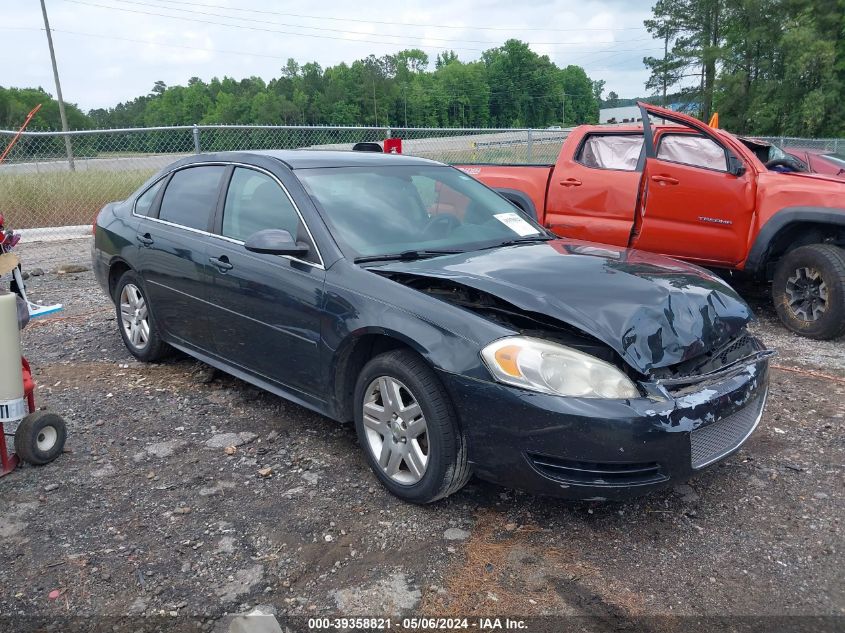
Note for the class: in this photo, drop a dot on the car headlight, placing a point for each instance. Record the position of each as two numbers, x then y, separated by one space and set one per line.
551 368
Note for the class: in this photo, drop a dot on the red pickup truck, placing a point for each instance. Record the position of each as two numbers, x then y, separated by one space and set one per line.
681 188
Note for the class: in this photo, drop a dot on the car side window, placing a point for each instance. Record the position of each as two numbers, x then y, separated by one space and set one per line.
611 151
191 196
698 151
255 202
145 201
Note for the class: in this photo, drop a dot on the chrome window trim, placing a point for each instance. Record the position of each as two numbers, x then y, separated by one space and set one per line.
319 265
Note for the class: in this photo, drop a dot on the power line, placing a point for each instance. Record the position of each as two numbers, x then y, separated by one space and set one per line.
253 28
412 24
403 36
437 92
190 48
268 30
163 44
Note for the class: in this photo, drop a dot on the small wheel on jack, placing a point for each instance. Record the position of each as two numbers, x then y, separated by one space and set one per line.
40 438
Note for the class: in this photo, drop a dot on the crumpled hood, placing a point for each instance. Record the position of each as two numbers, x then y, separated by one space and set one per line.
652 310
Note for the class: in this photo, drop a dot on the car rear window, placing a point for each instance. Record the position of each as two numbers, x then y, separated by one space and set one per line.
191 196
837 159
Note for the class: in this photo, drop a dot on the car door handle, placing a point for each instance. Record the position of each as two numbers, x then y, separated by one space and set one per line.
665 180
222 263
145 239
571 182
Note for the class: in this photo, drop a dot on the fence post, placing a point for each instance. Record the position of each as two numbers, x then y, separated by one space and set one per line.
836 146
196 132
529 152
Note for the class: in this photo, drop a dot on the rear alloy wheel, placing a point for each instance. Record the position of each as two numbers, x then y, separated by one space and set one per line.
809 291
135 320
408 428
134 316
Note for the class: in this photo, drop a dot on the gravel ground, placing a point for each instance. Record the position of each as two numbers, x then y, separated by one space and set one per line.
151 511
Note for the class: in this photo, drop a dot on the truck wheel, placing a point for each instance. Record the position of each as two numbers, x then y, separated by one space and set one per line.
809 291
40 438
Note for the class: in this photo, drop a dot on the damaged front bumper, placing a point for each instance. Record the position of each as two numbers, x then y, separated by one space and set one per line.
595 449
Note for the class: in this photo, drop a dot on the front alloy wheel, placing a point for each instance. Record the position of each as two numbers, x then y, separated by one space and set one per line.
408 428
396 430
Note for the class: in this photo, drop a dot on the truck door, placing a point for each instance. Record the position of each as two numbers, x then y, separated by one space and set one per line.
593 190
698 197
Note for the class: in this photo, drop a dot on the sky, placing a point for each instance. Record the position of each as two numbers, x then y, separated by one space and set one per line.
110 51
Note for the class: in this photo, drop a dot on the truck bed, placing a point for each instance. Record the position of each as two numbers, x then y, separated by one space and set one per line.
524 185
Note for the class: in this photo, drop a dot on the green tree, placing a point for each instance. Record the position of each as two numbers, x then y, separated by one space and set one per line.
695 30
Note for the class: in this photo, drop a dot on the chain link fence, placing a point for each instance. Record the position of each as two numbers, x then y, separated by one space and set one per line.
42 193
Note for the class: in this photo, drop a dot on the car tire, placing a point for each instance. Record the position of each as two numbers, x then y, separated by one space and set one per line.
809 291
427 459
135 320
40 438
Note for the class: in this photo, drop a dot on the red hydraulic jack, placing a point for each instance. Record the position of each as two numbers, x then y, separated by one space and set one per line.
40 435
10 461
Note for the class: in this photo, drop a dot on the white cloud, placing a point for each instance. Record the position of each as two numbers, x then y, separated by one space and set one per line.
102 71
197 49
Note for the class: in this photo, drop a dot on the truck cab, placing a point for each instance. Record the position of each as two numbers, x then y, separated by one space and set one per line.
678 187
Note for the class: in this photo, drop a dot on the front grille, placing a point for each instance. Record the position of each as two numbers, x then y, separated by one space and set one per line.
713 441
598 474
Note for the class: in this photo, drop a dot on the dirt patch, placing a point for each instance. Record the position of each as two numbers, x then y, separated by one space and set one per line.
143 517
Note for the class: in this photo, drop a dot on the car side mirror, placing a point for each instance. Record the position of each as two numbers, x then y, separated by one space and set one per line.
735 166
275 242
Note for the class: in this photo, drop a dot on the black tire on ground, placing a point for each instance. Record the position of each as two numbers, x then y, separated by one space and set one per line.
40 438
447 470
154 348
820 269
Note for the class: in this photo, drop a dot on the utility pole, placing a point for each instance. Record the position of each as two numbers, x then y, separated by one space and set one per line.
562 109
665 68
375 107
406 103
62 113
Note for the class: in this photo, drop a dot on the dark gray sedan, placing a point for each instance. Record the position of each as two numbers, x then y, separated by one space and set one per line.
459 335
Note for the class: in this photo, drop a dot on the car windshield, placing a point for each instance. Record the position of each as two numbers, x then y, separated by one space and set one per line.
836 159
425 209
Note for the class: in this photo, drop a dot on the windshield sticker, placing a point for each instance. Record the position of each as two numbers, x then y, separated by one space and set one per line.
516 224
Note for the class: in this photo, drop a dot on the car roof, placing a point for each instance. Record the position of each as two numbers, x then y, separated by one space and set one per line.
314 158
